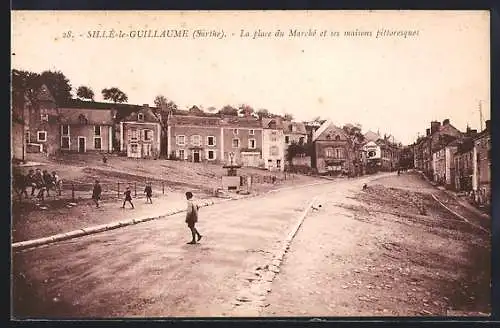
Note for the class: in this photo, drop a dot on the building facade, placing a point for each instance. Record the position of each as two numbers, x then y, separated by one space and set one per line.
481 183
140 134
242 141
332 150
273 144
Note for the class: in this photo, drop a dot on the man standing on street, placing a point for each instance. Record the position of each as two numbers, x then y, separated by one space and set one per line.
149 193
192 218
128 197
96 193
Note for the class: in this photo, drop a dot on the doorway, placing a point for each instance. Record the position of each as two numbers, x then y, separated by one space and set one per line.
146 150
82 144
196 156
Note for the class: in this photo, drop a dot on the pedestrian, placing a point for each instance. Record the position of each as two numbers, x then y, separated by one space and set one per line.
96 193
47 180
40 184
149 192
57 182
30 181
128 197
192 218
20 184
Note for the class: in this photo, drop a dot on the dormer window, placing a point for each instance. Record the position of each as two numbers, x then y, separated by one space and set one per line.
337 137
328 137
140 117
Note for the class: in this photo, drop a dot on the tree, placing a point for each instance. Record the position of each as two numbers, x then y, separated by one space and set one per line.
228 110
288 117
195 110
211 109
295 149
245 110
263 113
115 95
58 85
84 92
166 108
25 85
354 132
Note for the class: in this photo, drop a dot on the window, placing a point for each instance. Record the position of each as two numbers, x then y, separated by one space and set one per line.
147 135
329 152
337 137
181 140
236 143
42 136
64 142
339 153
181 154
134 148
274 151
97 130
28 137
251 132
196 140
97 142
211 141
83 119
252 143
140 117
301 140
65 130
235 131
44 117
211 155
134 134
287 139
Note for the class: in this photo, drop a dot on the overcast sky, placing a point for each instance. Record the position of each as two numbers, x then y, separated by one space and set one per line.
391 84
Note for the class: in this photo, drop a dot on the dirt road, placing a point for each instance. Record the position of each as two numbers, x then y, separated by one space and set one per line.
148 270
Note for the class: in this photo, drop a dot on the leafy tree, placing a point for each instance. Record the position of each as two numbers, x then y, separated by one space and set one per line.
211 109
295 149
228 110
58 85
84 92
115 95
245 110
263 113
354 132
25 85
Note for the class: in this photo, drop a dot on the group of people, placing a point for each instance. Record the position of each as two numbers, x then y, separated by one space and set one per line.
38 180
191 212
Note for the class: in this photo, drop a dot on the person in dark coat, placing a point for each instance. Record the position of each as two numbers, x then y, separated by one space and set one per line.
47 181
149 193
30 181
40 183
96 193
192 218
128 197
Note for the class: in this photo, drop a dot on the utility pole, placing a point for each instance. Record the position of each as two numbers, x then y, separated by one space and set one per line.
480 116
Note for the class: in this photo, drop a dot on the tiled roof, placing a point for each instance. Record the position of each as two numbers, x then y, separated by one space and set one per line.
194 120
90 115
267 122
294 127
146 111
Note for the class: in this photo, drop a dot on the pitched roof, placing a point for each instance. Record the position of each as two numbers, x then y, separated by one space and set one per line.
176 119
294 127
248 122
326 130
149 116
267 123
43 94
90 115
372 136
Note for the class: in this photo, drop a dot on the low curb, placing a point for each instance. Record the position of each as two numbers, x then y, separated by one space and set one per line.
123 223
261 286
460 216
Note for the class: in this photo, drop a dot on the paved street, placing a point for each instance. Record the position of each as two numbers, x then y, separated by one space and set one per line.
149 270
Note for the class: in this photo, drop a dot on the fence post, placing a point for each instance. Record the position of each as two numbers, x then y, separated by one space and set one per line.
118 190
163 188
135 189
73 192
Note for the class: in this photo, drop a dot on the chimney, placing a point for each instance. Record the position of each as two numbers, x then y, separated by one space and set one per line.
487 125
446 121
428 132
435 126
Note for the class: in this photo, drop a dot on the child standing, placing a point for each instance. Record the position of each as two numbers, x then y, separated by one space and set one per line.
128 197
96 193
149 192
192 218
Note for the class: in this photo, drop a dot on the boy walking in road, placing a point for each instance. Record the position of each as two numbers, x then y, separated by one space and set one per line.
96 193
149 192
128 197
192 218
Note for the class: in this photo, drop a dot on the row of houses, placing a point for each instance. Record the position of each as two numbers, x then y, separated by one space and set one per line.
248 141
460 161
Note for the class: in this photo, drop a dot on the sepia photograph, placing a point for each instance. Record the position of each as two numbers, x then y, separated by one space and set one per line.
264 164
